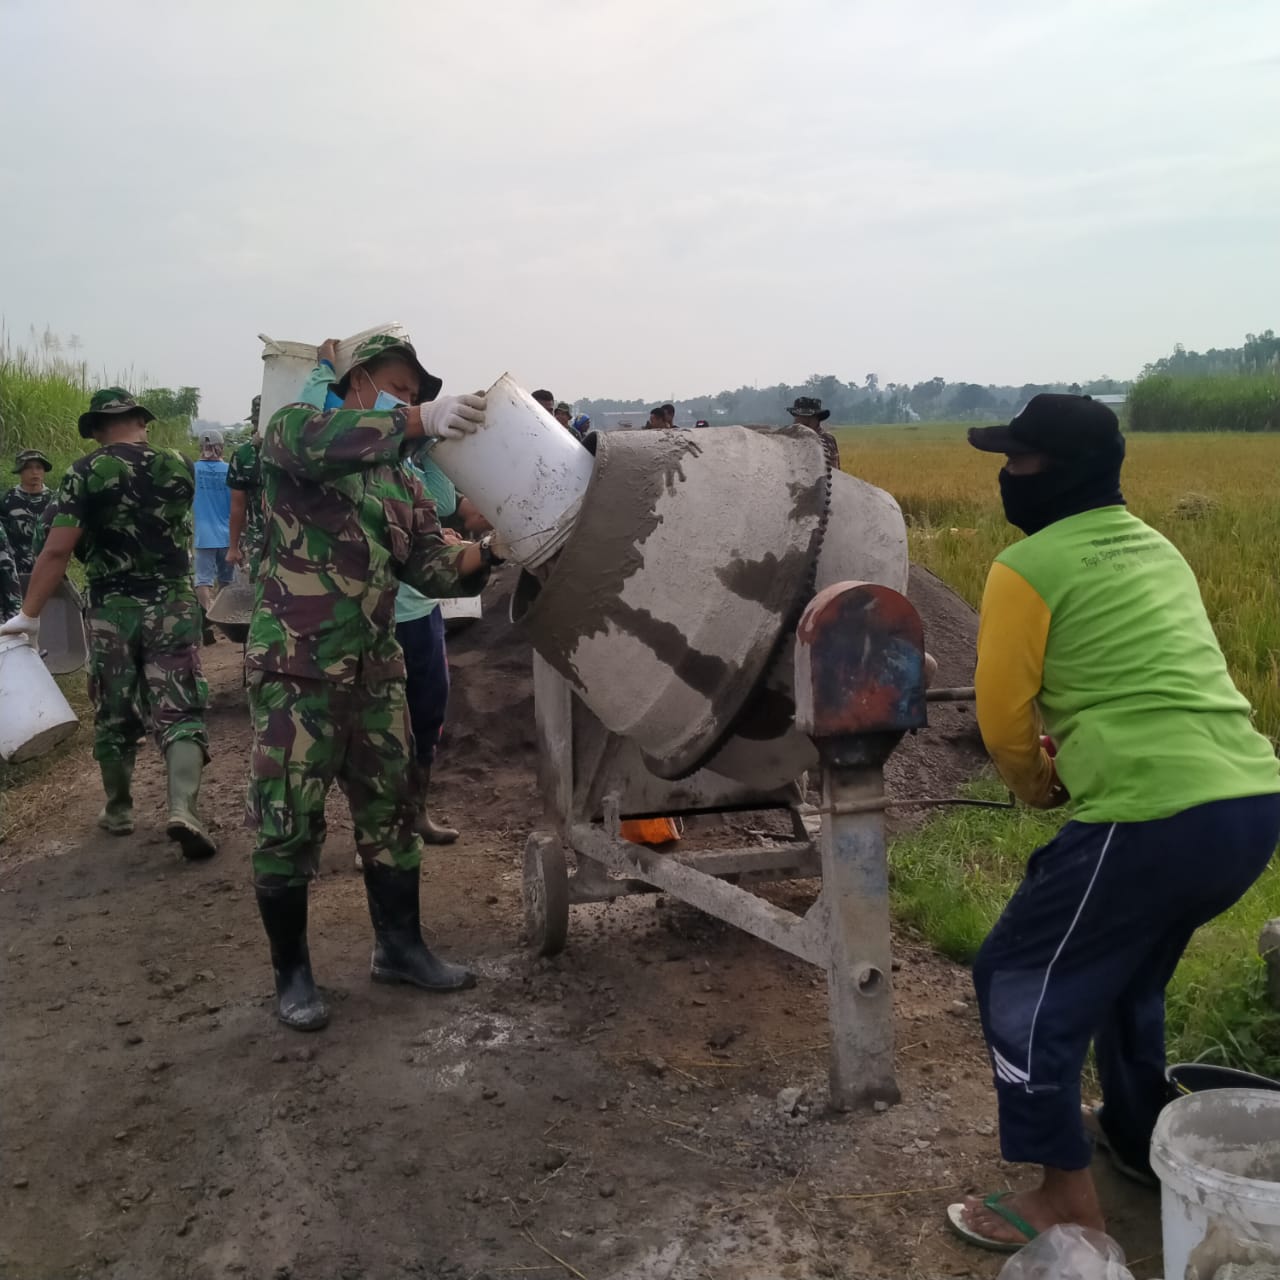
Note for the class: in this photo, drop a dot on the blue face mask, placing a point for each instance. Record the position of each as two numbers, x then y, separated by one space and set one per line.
385 400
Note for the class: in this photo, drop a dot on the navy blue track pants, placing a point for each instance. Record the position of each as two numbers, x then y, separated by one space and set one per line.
426 681
1083 952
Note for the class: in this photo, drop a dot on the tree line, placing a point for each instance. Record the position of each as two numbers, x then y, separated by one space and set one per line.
869 400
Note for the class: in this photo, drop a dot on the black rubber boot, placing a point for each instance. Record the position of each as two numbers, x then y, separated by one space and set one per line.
116 818
431 832
399 953
184 762
284 915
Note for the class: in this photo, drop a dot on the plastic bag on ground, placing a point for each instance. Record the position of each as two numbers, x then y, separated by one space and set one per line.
1068 1253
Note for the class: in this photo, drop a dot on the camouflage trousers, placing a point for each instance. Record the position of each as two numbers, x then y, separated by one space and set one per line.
144 665
309 734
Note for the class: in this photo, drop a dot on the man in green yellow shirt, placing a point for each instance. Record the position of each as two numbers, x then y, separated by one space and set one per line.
1099 679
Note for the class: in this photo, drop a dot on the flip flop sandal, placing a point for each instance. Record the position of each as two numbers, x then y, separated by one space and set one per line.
1092 1117
994 1202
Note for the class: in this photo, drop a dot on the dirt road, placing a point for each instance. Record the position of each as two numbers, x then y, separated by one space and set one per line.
610 1114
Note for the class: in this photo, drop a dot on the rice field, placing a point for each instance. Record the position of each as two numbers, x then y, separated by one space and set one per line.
1214 496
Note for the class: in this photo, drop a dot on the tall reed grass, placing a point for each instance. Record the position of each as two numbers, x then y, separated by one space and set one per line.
43 392
1222 402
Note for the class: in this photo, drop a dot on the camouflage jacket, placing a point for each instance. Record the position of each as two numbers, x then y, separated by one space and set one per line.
245 475
20 512
133 503
345 524
10 588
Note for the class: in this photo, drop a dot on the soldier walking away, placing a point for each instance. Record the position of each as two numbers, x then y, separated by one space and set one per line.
808 412
125 510
244 479
345 523
24 504
212 509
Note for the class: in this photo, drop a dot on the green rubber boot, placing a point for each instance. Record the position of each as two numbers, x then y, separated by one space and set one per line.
184 761
116 818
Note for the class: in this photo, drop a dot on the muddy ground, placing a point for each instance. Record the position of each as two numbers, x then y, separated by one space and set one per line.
611 1114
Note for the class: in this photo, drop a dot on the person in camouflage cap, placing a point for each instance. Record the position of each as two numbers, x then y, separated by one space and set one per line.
22 506
125 510
808 412
345 524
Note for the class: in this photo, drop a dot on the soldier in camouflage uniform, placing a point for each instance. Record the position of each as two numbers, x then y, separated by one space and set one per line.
344 525
22 506
808 412
10 587
125 510
244 479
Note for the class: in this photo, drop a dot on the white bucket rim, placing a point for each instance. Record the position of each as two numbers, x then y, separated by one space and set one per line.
273 348
1182 1176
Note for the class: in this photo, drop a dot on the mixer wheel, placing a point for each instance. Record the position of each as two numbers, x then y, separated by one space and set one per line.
546 894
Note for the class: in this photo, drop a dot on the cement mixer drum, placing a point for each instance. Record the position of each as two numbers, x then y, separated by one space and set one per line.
689 563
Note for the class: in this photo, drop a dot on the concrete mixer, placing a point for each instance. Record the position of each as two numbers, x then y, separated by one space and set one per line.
713 618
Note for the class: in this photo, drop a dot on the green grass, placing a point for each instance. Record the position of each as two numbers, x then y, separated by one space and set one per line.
42 394
1221 402
951 879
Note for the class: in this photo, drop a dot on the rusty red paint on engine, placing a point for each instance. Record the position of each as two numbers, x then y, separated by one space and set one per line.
861 651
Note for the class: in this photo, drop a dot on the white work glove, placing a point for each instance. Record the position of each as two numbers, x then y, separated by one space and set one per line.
452 417
21 625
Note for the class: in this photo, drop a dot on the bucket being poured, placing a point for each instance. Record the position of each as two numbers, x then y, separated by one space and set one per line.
1217 1155
34 716
523 470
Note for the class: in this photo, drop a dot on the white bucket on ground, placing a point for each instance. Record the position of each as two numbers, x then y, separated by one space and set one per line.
34 716
285 366
523 470
1217 1155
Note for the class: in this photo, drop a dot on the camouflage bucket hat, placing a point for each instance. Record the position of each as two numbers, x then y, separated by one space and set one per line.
382 344
809 407
31 455
109 402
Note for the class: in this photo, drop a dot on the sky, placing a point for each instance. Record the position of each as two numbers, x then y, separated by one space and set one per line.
658 199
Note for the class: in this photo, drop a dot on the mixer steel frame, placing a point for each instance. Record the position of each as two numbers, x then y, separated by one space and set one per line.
859 687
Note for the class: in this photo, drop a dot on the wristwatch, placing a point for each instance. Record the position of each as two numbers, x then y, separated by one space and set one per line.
488 556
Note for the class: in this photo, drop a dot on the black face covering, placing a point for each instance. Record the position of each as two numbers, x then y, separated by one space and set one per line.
1064 489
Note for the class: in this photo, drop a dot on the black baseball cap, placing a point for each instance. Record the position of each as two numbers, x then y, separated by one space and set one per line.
1062 426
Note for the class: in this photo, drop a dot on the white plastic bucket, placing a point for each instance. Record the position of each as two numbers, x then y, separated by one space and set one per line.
523 470
34 716
1217 1155
285 366
347 347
